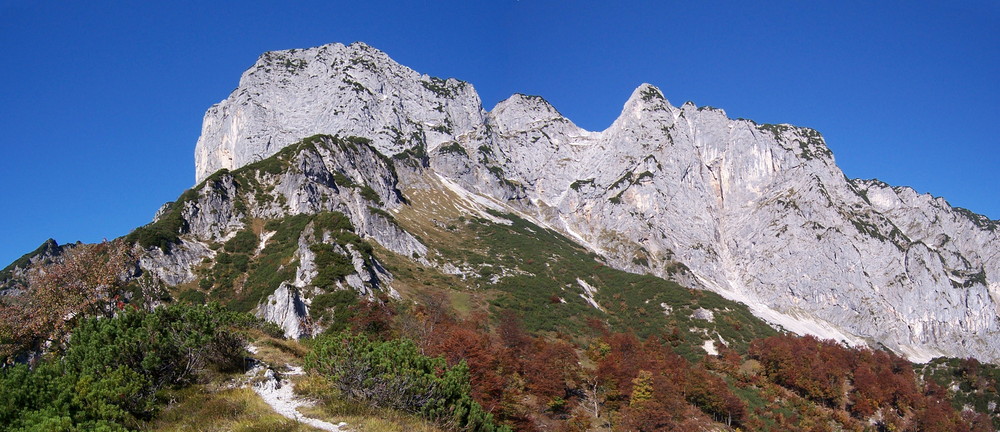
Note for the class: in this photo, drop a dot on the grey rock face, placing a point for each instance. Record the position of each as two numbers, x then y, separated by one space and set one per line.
213 215
703 314
333 89
14 278
287 309
762 214
758 213
326 174
177 266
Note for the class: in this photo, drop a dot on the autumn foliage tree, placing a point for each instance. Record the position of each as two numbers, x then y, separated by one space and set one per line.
87 281
868 384
816 369
656 389
521 378
533 382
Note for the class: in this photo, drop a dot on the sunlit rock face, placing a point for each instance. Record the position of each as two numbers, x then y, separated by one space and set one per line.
758 213
333 89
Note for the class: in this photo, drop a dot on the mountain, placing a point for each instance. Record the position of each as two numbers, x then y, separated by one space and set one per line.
758 213
452 268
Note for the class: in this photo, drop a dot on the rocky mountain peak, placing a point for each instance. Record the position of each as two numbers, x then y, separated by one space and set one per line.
648 97
333 89
522 112
646 108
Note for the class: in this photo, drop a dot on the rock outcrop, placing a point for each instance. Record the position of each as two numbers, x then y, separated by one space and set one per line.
14 277
286 308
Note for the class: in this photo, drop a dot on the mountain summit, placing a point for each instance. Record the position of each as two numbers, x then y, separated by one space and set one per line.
759 213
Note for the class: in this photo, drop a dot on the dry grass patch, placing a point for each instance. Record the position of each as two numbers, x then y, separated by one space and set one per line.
413 281
277 352
332 408
437 215
203 408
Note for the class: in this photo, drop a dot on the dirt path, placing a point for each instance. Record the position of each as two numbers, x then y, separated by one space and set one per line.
278 392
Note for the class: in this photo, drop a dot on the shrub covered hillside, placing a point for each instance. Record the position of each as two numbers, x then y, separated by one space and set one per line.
108 375
971 385
113 365
623 383
394 374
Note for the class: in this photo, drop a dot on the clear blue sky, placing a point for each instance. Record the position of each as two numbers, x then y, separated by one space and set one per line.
101 102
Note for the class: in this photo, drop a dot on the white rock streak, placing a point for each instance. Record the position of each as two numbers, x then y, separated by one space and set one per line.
588 294
709 347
